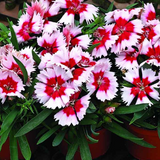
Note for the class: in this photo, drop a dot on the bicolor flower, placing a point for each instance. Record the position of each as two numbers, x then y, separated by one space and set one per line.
105 40
74 111
148 13
103 82
126 29
76 7
51 43
127 59
143 87
10 85
53 88
152 52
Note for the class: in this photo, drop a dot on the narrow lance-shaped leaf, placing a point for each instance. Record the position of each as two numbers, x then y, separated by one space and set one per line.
34 122
59 137
158 128
23 69
13 146
5 135
90 49
24 146
3 27
124 133
36 57
83 145
72 150
48 134
130 109
13 37
9 119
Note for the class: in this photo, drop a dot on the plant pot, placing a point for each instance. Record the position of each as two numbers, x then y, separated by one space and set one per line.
143 153
5 152
97 149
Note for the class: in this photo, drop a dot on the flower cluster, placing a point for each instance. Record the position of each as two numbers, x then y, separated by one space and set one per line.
70 73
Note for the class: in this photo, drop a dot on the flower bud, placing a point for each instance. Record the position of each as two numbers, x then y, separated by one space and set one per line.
110 110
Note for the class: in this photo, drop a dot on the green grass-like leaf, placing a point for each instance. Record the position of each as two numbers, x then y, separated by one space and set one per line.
13 37
23 69
34 122
24 146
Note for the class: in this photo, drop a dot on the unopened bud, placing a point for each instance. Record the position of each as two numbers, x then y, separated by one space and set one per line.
110 110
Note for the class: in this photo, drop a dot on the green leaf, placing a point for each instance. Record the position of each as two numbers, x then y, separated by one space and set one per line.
13 146
20 13
110 8
158 127
93 130
72 150
90 49
114 118
83 145
36 57
87 121
91 138
137 116
13 36
48 134
131 6
34 122
9 119
23 69
5 135
24 146
130 109
3 27
124 133
59 137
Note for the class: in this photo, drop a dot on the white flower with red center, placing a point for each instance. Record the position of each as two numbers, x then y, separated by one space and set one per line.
103 36
73 37
51 42
152 52
148 13
74 110
127 59
143 86
126 29
76 7
10 85
9 63
104 81
27 26
53 88
151 31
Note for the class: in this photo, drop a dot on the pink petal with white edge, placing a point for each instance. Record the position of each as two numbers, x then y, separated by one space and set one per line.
88 13
53 84
108 88
10 85
148 13
67 19
81 106
69 119
50 27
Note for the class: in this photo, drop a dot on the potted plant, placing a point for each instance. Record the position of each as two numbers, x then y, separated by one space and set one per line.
79 58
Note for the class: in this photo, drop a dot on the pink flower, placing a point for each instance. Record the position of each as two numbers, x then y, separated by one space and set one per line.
74 111
104 81
126 29
127 59
51 42
76 7
27 26
103 36
53 88
10 85
148 13
152 52
142 87
74 37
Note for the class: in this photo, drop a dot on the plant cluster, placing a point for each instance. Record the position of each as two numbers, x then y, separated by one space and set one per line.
72 68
